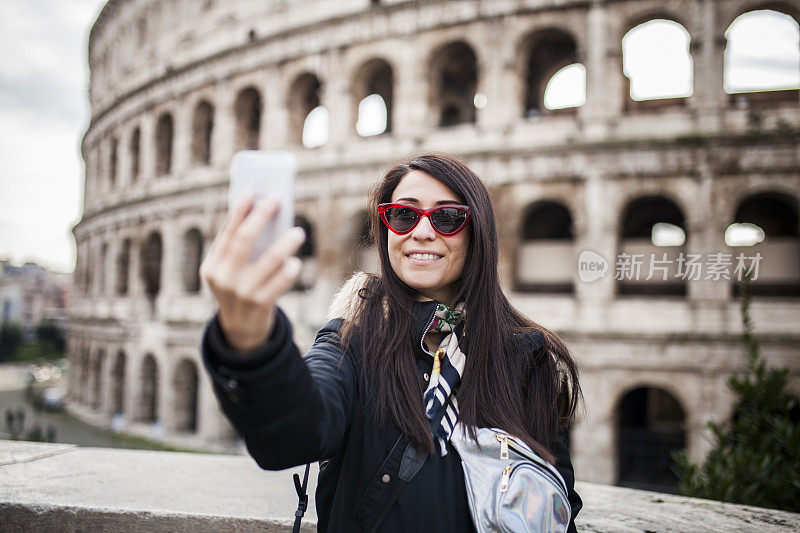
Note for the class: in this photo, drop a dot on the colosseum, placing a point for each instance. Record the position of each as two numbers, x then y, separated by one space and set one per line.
589 192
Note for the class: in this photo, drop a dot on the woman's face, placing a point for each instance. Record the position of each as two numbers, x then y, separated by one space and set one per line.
425 260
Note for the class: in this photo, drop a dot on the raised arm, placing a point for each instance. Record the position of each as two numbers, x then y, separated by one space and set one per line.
289 410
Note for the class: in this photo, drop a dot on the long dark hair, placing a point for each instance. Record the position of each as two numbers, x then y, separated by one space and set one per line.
529 394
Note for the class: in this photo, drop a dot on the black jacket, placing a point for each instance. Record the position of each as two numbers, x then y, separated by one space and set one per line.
291 411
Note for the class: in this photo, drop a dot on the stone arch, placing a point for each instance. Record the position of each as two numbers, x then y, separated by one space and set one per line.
151 255
118 384
305 95
650 425
544 52
649 86
651 224
307 254
191 258
164 140
122 269
134 152
148 390
247 111
744 83
185 387
453 83
545 256
374 77
202 129
776 214
730 11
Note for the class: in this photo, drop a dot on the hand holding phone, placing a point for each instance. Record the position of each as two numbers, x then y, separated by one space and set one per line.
251 262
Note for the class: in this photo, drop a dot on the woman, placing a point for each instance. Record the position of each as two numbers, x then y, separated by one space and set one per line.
433 332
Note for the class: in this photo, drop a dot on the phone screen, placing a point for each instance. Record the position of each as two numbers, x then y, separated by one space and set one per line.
265 175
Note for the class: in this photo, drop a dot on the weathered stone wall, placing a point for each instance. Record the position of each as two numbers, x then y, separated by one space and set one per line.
705 154
95 489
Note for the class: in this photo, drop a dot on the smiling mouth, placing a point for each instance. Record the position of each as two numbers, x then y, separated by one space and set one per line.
425 258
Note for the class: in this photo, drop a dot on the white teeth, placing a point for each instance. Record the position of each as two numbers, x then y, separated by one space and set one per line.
423 257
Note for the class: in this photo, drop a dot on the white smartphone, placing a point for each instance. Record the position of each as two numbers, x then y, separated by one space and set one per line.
265 175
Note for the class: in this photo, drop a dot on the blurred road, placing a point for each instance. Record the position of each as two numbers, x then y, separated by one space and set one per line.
67 429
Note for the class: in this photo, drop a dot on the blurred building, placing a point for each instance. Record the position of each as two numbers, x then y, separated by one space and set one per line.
30 294
648 193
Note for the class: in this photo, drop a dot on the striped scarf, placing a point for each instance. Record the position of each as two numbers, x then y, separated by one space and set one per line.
448 365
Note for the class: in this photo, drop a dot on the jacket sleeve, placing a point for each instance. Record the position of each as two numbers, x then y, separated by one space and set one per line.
289 409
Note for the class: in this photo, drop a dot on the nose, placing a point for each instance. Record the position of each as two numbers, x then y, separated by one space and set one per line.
424 231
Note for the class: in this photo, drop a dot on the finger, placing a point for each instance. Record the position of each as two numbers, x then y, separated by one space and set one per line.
244 236
279 283
232 221
277 254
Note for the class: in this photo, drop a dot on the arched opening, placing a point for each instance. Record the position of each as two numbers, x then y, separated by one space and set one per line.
247 109
651 425
202 128
766 235
373 93
148 390
164 134
112 161
123 267
657 60
185 386
762 59
151 264
554 79
192 256
134 152
305 98
97 379
118 384
651 259
566 89
101 278
454 82
545 256
316 127
306 254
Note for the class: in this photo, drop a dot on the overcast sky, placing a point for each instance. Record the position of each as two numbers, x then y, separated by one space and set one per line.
44 113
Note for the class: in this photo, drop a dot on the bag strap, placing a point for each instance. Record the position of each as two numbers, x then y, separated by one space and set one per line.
302 495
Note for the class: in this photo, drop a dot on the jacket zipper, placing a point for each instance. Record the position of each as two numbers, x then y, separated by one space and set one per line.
422 339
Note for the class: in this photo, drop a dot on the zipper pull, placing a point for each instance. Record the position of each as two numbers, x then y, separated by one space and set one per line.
504 479
503 445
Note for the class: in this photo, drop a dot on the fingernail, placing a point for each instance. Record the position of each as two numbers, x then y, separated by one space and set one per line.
299 233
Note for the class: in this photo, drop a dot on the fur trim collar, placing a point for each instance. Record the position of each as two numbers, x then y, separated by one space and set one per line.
345 303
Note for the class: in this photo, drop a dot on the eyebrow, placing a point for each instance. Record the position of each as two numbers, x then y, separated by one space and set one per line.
440 202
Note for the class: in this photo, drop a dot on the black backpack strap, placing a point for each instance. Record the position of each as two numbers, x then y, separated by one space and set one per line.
302 496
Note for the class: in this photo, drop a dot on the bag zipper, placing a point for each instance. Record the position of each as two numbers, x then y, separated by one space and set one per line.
505 444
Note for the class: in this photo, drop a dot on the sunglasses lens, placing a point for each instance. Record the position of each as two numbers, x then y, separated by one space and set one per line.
401 219
448 219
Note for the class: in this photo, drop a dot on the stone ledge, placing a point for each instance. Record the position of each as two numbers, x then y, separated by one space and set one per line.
67 488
